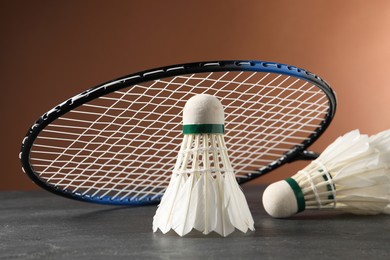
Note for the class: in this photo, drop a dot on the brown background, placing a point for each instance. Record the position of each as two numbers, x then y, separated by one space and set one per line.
52 50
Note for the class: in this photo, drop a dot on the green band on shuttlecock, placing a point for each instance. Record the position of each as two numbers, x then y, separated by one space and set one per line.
203 129
298 193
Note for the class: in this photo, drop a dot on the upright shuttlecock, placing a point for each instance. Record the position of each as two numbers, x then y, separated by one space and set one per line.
352 174
203 193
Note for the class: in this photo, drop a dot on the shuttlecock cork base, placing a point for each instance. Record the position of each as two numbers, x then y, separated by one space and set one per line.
352 175
203 193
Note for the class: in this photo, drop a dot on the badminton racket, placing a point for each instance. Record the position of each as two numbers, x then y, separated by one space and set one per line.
117 143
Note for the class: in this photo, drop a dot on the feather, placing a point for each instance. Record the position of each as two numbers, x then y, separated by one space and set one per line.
236 205
210 190
181 214
162 218
223 226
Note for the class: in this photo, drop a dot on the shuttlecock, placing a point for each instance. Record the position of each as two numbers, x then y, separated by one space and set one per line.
352 174
203 193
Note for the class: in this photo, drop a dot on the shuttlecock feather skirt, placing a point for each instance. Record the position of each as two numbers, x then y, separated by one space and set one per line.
203 193
352 174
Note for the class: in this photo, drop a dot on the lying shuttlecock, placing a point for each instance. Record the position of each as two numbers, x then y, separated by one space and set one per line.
203 193
352 174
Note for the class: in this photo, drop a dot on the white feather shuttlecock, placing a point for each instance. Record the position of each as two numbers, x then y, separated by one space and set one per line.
203 193
352 175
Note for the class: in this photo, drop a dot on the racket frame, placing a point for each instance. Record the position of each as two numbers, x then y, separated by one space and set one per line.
296 153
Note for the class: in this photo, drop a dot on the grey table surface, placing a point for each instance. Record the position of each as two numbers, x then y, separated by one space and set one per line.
40 225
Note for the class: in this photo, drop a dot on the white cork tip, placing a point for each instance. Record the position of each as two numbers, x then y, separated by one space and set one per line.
279 200
203 109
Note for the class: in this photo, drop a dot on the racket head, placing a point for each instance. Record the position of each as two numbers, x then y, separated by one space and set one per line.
117 143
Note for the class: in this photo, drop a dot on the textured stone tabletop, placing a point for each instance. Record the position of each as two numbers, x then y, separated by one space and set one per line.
40 225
